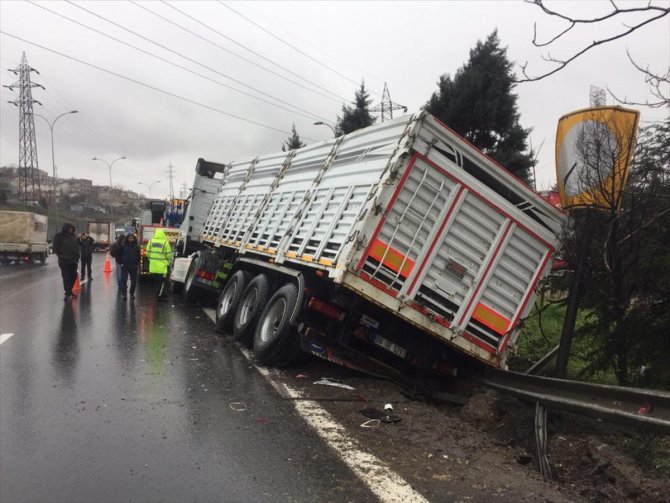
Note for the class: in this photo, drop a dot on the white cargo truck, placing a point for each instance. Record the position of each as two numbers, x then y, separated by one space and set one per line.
23 237
102 234
396 249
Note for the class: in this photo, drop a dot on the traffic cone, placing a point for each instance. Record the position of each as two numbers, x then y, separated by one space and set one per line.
108 264
76 286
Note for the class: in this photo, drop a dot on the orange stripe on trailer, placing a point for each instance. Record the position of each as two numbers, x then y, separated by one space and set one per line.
492 319
391 258
326 262
306 258
291 254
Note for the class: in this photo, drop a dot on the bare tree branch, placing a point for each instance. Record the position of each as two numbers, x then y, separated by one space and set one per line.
658 13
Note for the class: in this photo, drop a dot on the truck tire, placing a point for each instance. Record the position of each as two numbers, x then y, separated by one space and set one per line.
251 304
229 300
276 343
43 258
191 291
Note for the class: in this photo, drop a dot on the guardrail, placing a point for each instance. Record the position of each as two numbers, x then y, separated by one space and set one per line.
641 408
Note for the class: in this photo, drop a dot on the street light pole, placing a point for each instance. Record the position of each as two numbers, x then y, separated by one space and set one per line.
320 123
53 161
109 165
149 185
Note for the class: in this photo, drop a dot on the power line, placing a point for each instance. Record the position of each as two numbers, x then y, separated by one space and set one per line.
162 91
290 45
184 56
308 114
337 96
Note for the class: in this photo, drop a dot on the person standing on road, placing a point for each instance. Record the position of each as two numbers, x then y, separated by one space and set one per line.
66 248
115 251
130 263
159 254
86 251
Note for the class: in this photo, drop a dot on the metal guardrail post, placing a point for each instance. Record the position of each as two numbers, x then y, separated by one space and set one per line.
541 440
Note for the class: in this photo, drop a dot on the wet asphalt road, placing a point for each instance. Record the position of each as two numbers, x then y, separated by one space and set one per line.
106 400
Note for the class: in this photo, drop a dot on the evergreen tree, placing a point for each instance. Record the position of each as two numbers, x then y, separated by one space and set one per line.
293 141
358 116
478 103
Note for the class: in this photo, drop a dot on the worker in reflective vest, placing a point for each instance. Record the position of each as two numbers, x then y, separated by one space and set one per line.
159 254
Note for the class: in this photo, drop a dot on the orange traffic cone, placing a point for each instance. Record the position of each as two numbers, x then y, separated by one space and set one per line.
108 265
76 286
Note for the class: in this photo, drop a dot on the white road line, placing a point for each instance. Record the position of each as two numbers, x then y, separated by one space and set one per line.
5 337
387 485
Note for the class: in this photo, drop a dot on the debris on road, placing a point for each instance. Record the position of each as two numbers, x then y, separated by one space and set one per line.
331 382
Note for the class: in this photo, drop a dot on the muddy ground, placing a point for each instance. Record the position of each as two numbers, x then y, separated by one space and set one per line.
485 449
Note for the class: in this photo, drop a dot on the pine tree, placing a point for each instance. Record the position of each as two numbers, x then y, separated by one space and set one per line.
478 103
293 141
358 116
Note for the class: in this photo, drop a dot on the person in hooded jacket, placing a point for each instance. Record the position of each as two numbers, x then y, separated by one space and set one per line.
115 252
130 263
159 254
86 251
66 248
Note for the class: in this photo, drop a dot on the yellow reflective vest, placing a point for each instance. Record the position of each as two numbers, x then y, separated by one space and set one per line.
159 253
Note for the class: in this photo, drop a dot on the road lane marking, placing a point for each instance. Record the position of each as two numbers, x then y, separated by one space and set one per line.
387 485
5 337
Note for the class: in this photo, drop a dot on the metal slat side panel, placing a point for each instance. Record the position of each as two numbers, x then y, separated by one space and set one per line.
413 217
223 201
508 287
240 174
442 146
339 194
459 257
253 193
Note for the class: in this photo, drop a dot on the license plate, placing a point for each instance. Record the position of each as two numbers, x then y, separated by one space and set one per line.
389 346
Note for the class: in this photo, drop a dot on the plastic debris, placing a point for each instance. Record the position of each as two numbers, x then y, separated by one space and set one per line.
645 409
373 413
330 382
371 423
388 408
238 406
301 376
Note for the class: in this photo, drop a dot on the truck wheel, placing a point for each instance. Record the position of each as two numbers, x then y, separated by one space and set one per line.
253 300
229 299
276 342
43 258
191 292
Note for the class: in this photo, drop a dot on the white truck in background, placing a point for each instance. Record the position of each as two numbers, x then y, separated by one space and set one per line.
102 233
399 250
23 237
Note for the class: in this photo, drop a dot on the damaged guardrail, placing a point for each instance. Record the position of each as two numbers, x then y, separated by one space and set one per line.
640 408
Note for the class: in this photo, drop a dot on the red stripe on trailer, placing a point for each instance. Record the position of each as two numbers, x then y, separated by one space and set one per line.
503 346
378 284
486 272
382 220
478 342
437 236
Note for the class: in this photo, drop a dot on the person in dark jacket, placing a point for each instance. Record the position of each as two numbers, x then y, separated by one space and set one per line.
66 247
130 263
86 250
115 251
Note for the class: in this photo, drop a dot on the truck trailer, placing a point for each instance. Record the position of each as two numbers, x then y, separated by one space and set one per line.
399 249
23 237
102 234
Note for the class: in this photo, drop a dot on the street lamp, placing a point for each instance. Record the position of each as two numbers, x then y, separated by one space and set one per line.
320 123
149 185
53 160
109 165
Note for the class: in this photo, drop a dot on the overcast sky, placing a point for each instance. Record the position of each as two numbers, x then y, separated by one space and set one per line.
170 115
